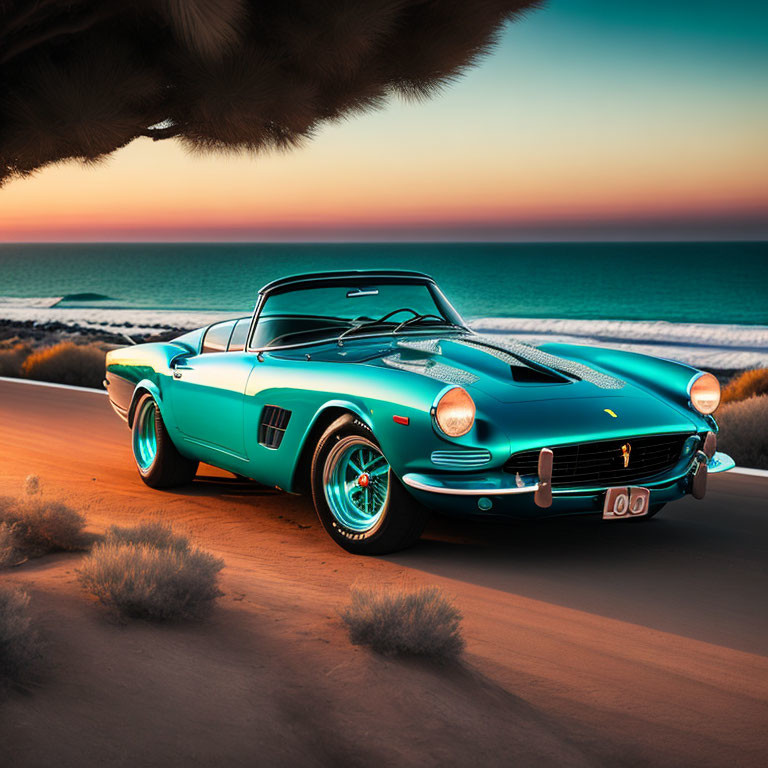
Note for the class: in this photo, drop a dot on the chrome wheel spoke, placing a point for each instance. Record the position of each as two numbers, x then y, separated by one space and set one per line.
356 483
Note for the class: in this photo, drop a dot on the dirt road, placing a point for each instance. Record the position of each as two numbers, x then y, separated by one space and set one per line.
587 643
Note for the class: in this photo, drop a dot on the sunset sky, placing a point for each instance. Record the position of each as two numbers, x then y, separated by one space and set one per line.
594 119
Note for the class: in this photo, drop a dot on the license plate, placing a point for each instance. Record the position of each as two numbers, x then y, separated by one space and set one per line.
621 503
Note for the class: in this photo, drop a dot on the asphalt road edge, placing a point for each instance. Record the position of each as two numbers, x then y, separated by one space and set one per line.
13 380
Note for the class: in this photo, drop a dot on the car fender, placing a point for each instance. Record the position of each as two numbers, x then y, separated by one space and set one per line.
146 385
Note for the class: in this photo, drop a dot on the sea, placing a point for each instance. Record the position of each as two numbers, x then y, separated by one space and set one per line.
704 303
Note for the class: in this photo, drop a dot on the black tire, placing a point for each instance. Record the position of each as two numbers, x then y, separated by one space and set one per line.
401 519
168 468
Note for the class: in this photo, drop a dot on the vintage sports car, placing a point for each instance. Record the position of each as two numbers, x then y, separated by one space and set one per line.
367 390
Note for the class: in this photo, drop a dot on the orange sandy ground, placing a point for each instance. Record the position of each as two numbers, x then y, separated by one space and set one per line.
587 643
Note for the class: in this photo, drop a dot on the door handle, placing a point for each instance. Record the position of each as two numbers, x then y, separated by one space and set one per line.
177 369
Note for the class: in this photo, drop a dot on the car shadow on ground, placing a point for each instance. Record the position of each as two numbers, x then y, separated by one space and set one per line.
690 570
697 569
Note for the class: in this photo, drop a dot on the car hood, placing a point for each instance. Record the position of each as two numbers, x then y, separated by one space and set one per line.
560 398
510 372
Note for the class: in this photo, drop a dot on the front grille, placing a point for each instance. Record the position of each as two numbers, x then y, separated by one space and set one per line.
601 464
274 422
461 459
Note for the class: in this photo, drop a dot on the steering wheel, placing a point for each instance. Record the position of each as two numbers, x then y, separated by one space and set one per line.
416 319
397 311
383 318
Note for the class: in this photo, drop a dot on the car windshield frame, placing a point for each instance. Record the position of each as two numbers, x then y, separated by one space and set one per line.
453 320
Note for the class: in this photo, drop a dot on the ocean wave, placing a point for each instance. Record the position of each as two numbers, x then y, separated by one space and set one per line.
130 321
704 345
86 297
29 302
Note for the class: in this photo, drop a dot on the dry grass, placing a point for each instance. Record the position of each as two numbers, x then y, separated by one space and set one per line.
39 526
67 363
8 555
422 622
19 644
747 384
151 573
12 357
744 431
152 533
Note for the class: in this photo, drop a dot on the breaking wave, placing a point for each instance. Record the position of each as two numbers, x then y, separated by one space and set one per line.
704 345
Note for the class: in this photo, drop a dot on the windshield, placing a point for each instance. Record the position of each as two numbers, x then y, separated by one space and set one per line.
321 313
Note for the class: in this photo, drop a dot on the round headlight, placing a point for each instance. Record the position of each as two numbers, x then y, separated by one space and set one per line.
455 412
705 393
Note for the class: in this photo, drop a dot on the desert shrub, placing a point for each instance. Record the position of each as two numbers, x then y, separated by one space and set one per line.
745 385
422 622
8 554
19 644
152 533
149 572
41 526
744 431
12 357
67 363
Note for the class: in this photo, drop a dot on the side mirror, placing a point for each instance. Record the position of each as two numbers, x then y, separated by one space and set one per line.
180 360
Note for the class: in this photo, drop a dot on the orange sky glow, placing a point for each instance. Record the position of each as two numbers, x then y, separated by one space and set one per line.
647 147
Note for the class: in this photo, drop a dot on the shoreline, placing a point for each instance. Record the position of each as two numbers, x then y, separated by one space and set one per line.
709 346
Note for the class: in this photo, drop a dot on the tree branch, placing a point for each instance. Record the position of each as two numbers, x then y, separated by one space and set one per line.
26 17
157 134
58 31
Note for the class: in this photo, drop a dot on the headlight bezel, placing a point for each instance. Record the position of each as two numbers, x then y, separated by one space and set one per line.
434 411
692 395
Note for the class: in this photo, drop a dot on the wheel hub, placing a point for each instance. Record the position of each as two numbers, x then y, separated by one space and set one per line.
356 480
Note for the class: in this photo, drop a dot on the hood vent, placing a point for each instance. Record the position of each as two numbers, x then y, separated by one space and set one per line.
517 352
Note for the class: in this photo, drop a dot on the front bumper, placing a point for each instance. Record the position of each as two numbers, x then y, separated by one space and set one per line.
514 496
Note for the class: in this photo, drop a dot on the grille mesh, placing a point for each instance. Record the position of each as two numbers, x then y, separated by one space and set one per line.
601 464
274 422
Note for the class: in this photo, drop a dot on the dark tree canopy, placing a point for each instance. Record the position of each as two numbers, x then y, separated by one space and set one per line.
82 78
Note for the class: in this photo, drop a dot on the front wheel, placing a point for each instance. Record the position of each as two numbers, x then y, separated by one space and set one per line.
358 498
159 463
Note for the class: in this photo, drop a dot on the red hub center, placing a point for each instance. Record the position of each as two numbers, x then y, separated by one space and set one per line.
364 480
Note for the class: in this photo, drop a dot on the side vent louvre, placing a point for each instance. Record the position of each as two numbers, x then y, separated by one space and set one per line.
467 459
274 422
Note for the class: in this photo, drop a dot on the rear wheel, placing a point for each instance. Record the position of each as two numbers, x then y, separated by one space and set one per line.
159 463
358 498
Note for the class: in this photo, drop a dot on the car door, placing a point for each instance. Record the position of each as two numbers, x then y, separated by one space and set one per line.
207 393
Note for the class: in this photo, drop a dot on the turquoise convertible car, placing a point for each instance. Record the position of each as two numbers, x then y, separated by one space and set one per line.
368 390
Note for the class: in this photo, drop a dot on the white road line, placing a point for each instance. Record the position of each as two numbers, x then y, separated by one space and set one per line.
735 470
750 471
51 384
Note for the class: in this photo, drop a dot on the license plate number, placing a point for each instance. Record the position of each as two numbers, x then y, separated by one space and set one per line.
621 503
